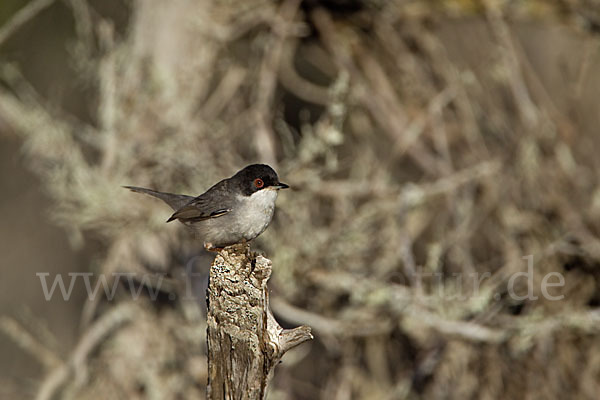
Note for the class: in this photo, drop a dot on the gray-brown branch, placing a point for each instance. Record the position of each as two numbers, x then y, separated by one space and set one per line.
245 342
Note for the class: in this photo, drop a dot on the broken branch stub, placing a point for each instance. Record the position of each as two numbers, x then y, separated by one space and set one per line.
245 342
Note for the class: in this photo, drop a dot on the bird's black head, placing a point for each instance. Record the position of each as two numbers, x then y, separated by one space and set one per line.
257 177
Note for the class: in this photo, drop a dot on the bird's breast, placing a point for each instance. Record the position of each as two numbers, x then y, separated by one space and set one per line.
255 212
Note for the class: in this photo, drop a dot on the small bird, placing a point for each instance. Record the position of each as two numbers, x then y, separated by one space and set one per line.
234 210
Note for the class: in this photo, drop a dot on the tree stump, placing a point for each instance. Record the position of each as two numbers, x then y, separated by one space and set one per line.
245 342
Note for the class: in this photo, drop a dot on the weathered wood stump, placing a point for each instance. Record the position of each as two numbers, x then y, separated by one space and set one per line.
245 342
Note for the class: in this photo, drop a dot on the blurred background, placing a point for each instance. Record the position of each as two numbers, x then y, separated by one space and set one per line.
436 151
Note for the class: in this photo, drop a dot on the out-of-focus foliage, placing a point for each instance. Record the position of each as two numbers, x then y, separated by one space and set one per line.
427 157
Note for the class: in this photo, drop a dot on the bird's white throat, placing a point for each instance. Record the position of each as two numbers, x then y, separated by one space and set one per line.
263 198
256 211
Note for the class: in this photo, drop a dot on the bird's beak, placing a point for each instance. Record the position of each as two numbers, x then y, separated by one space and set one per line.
280 185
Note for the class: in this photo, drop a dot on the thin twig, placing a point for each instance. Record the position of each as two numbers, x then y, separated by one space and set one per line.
267 81
92 339
27 342
292 81
226 89
527 108
329 326
24 15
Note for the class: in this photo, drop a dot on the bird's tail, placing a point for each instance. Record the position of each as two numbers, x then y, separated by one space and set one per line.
176 201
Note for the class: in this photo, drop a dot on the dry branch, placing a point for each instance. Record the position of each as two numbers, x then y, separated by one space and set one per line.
245 342
25 14
94 337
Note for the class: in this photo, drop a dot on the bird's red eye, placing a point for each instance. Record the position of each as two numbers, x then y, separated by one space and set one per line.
259 183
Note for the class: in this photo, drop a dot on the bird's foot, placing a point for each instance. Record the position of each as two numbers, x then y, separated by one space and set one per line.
242 246
211 247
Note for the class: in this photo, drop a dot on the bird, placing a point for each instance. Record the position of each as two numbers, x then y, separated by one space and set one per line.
234 210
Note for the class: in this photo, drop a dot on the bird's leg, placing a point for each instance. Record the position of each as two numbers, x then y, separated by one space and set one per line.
208 246
211 247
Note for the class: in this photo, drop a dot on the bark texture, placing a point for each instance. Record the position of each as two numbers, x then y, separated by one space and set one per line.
245 342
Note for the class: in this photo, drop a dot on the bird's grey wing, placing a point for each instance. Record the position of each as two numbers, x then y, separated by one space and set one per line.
215 202
176 201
